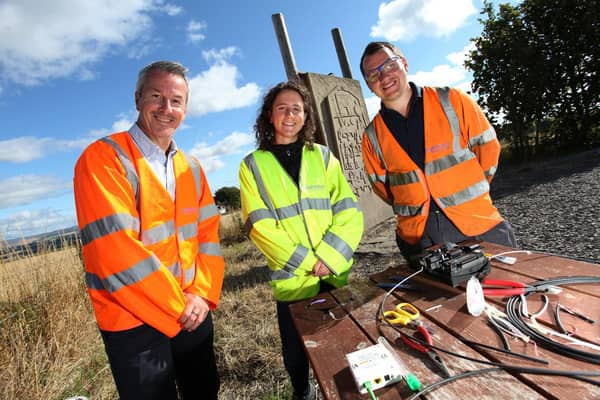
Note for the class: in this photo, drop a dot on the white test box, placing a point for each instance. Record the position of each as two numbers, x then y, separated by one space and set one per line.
374 364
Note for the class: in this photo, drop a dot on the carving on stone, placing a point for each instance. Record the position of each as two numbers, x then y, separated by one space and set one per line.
348 124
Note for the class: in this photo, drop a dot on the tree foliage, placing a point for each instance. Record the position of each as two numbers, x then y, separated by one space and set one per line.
535 69
228 196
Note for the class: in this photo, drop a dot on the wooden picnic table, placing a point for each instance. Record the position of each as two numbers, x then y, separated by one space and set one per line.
346 320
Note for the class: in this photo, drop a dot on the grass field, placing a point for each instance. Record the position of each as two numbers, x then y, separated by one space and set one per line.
50 347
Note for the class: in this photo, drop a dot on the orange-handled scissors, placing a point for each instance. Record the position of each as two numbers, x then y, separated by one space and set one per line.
403 314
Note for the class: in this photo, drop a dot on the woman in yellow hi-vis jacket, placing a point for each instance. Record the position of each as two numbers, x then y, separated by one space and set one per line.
299 211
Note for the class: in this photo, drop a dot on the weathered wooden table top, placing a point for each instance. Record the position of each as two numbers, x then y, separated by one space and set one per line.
347 321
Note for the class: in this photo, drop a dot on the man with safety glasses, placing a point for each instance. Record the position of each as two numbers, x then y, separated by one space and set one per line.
430 153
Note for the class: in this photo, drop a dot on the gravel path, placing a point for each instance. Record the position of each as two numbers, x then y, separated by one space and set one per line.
552 206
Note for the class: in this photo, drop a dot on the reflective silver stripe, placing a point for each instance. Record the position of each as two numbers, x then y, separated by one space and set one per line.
407 211
175 269
210 249
188 231
256 216
92 281
373 178
315 204
403 178
444 96
441 164
190 274
345 204
305 204
325 154
132 176
491 171
158 233
107 225
207 211
372 136
339 245
280 274
291 265
250 162
130 276
195 167
484 137
288 211
465 195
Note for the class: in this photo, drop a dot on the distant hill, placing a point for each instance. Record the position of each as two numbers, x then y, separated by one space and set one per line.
23 247
43 236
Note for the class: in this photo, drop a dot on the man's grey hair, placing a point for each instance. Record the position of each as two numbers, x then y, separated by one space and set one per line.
170 67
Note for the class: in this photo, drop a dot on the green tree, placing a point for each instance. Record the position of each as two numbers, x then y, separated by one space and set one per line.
535 70
568 35
228 196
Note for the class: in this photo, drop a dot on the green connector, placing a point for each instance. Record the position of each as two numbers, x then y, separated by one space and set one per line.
367 386
413 383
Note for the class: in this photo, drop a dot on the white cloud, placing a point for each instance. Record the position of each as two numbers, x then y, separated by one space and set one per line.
219 56
28 148
210 155
25 223
172 10
216 88
373 105
406 19
48 39
26 189
440 75
194 31
23 149
453 74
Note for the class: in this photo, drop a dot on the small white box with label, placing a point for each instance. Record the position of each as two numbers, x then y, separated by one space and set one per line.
374 364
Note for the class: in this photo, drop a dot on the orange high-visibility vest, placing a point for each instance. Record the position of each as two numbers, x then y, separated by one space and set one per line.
461 157
141 250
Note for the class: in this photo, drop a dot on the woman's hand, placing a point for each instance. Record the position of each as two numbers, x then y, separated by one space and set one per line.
320 269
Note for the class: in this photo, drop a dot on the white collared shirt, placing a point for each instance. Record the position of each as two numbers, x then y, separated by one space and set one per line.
161 163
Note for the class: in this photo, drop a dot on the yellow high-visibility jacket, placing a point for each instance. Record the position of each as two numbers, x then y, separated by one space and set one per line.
141 250
461 157
294 226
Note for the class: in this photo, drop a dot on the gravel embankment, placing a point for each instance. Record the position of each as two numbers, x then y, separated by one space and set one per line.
552 206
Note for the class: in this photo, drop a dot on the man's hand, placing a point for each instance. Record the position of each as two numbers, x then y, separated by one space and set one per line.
320 269
195 311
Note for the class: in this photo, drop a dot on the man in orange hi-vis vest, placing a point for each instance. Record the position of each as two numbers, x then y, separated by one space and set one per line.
153 263
431 154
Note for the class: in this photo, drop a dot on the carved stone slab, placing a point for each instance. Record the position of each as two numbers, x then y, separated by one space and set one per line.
341 120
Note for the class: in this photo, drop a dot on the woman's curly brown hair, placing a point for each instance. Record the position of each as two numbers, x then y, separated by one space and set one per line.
263 129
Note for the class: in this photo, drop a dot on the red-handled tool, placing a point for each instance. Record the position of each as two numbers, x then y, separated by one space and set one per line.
494 287
407 314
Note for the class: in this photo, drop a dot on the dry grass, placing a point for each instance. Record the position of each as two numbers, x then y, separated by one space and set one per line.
50 347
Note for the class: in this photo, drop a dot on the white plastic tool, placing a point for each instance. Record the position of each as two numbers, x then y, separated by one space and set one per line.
475 297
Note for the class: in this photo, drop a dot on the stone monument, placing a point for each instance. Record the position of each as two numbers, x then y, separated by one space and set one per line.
341 120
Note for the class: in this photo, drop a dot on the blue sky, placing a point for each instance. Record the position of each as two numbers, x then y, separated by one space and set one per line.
68 70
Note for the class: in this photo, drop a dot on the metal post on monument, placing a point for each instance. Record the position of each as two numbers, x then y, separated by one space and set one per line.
284 46
340 116
340 49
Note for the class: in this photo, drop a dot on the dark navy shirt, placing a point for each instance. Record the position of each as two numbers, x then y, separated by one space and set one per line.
409 131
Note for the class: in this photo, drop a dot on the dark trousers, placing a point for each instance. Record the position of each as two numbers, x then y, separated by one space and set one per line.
292 349
294 358
147 365
439 229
